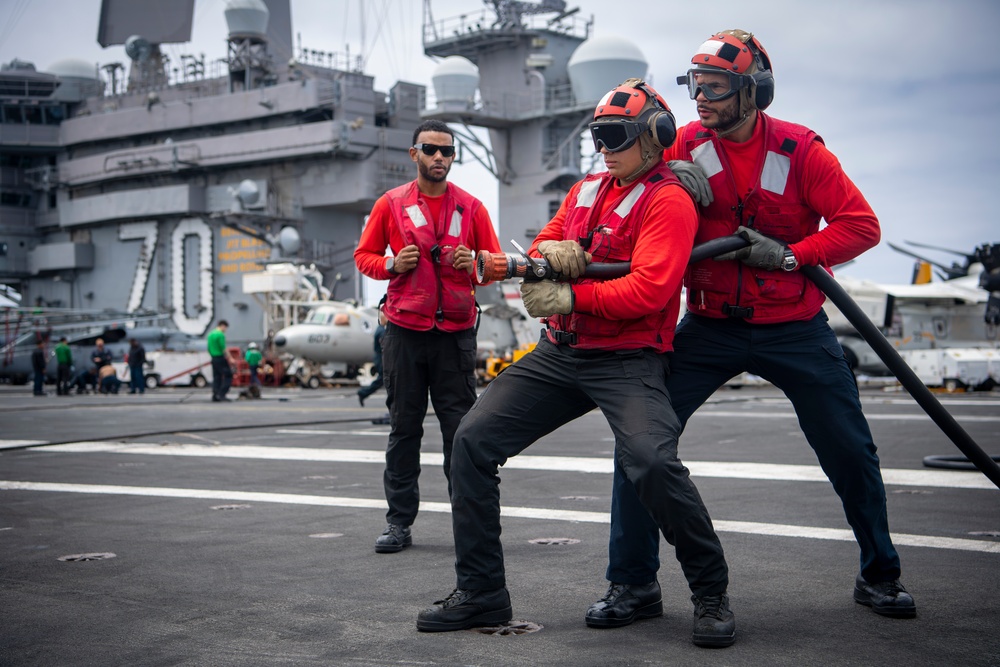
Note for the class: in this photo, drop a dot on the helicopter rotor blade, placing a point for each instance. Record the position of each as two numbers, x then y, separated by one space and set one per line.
951 271
934 247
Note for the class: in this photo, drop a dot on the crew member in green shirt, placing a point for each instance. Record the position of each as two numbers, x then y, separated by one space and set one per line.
253 358
64 370
222 373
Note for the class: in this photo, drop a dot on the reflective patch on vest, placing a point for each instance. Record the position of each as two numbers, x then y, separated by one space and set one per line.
705 157
588 193
774 177
631 198
455 229
416 216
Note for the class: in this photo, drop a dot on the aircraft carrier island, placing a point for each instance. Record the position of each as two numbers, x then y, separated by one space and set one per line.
157 185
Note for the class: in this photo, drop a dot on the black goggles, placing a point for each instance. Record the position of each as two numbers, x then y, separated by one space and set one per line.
430 149
715 89
616 135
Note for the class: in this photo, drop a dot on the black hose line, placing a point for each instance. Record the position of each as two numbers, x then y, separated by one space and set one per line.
885 351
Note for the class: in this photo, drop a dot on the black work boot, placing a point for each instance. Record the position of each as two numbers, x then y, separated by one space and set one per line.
625 603
466 609
887 598
714 623
394 538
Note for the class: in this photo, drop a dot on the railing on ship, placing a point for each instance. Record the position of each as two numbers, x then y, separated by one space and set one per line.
485 22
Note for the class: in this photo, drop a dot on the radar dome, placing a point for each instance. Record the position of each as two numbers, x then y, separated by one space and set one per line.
74 68
289 240
247 17
601 63
455 81
138 48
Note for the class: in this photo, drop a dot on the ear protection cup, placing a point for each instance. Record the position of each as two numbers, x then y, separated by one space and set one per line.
660 120
763 79
662 126
763 93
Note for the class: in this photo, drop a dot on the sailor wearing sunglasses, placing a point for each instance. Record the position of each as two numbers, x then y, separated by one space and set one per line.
433 229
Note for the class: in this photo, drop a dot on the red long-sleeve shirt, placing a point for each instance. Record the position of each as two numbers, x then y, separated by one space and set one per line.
851 225
659 256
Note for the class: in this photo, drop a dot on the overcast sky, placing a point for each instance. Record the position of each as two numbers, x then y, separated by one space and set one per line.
905 92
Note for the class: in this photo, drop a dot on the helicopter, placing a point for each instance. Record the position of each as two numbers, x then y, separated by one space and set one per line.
960 310
15 365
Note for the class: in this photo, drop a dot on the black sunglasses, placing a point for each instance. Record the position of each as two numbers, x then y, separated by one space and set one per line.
430 149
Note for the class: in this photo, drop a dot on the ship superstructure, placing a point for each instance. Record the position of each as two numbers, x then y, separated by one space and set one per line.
539 73
157 190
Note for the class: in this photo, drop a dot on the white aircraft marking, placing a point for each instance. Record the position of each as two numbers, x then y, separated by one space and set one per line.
747 527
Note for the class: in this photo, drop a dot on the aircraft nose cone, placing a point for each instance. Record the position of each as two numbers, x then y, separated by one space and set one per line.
280 341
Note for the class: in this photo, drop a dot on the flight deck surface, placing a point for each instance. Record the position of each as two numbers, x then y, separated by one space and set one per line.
242 533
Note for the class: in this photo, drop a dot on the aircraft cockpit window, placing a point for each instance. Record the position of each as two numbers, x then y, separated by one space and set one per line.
318 318
342 320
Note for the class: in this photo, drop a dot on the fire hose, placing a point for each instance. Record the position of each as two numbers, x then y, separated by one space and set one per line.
503 266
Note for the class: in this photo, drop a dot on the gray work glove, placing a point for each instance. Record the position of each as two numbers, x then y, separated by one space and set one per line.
547 297
565 257
763 251
693 178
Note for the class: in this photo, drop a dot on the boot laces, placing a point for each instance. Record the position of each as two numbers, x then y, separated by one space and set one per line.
456 597
614 592
709 605
892 588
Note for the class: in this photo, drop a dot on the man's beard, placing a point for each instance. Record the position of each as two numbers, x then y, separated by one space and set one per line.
726 118
425 171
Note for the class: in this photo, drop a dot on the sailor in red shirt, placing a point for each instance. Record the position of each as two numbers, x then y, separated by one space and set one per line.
601 347
433 229
770 181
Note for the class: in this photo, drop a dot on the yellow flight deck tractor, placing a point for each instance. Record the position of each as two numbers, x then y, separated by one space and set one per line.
496 365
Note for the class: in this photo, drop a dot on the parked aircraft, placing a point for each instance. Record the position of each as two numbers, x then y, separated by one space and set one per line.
955 312
341 334
15 365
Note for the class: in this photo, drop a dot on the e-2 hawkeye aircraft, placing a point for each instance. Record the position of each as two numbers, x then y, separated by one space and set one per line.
342 334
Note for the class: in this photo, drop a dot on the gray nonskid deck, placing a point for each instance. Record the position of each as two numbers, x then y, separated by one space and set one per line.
242 533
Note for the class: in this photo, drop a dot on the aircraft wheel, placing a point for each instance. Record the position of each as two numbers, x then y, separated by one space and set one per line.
313 382
952 385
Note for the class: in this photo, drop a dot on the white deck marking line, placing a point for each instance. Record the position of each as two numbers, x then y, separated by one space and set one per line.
949 479
9 444
747 527
916 416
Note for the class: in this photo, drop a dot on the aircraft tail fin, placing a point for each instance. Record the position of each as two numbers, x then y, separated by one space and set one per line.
921 273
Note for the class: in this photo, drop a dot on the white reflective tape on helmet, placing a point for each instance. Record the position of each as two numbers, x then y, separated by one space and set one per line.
709 48
705 157
774 177
588 193
416 216
455 229
631 198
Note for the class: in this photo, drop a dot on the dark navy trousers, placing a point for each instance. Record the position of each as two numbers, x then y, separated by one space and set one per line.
804 360
546 389
417 363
